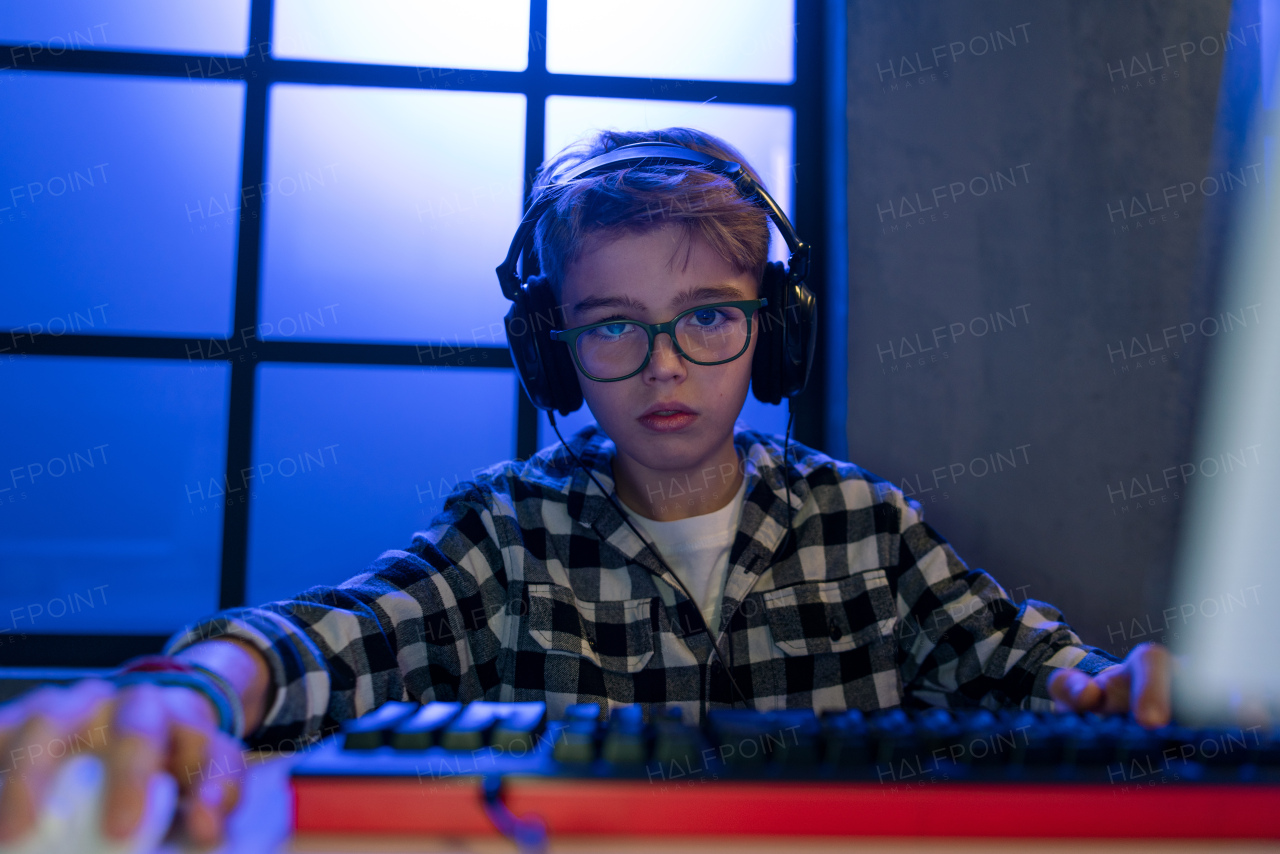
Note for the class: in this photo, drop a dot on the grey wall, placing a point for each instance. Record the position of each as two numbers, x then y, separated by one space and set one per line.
1051 250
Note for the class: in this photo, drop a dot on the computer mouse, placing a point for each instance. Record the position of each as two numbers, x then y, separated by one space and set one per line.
71 821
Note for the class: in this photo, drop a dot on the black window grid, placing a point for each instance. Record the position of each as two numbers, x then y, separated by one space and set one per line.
243 351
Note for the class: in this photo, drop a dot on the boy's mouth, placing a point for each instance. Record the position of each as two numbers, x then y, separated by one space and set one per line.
665 417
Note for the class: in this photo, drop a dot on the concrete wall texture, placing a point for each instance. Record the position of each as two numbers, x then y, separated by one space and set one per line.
1016 263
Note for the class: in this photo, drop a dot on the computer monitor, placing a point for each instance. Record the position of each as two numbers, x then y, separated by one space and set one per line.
1223 616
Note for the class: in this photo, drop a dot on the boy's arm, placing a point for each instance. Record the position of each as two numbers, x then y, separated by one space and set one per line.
417 624
963 641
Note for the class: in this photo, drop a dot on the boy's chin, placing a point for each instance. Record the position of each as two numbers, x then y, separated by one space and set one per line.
677 450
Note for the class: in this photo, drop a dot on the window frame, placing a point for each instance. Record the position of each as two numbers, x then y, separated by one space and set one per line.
807 96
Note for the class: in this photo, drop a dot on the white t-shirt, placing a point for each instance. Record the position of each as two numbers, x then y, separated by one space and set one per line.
697 550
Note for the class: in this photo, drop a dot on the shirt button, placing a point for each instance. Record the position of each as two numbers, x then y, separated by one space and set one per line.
836 633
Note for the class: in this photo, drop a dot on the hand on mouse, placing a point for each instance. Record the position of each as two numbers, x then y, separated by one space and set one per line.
138 730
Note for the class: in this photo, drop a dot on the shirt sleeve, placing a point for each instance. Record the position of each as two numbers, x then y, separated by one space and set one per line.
962 641
421 624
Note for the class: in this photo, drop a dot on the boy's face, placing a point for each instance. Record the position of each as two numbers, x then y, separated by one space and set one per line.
673 415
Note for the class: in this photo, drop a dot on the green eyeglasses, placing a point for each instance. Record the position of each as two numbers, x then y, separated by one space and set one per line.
613 350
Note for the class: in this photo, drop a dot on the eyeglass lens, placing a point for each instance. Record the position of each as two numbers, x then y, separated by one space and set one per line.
705 335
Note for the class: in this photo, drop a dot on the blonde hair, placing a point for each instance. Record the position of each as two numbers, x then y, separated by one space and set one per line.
637 198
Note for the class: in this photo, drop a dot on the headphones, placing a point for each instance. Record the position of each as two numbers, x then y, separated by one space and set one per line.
786 326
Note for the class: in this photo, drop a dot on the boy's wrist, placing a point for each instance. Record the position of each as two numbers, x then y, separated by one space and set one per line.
1095 661
168 671
243 668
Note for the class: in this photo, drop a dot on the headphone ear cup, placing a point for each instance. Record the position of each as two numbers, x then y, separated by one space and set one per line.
787 335
801 340
524 352
564 394
766 364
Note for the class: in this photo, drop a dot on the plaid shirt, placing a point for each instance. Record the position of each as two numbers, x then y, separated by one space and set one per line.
529 586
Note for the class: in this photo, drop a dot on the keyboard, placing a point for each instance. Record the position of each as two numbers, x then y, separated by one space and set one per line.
450 768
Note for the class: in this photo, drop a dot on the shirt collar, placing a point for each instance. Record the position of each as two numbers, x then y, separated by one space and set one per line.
762 468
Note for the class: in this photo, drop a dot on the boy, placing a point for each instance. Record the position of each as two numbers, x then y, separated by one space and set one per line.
791 581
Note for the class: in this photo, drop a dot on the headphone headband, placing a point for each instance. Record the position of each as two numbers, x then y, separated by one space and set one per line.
655 153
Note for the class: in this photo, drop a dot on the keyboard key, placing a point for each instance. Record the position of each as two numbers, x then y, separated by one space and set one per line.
739 735
1043 746
518 727
470 729
980 737
845 740
676 742
576 743
1228 747
1268 753
424 727
626 741
890 737
797 738
939 739
374 729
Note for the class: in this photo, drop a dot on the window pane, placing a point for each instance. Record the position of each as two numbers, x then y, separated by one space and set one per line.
102 526
764 135
118 203
439 33
349 462
192 26
748 40
767 418
389 210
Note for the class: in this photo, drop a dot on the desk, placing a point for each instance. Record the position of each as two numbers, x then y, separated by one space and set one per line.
757 846
262 825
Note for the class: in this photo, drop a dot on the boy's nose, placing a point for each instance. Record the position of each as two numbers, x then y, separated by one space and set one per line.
665 363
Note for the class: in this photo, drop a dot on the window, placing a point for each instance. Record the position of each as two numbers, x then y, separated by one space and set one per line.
193 26
111 225
253 333
387 204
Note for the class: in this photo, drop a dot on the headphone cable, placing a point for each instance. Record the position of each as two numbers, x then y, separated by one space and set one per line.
612 496
786 469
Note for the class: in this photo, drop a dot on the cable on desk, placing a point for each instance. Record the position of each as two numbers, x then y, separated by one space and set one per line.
529 834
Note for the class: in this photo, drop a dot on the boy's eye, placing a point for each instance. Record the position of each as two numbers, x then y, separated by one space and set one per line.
707 317
612 330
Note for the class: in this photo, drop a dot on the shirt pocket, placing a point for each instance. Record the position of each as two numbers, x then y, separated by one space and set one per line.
615 636
831 616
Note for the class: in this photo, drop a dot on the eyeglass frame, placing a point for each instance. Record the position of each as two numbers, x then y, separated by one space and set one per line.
569 337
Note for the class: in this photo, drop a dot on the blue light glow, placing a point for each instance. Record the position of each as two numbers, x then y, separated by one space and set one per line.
392 206
440 33
192 26
350 461
100 496
748 40
130 222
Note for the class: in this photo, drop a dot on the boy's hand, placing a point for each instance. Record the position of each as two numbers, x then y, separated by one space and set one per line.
1141 684
137 730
